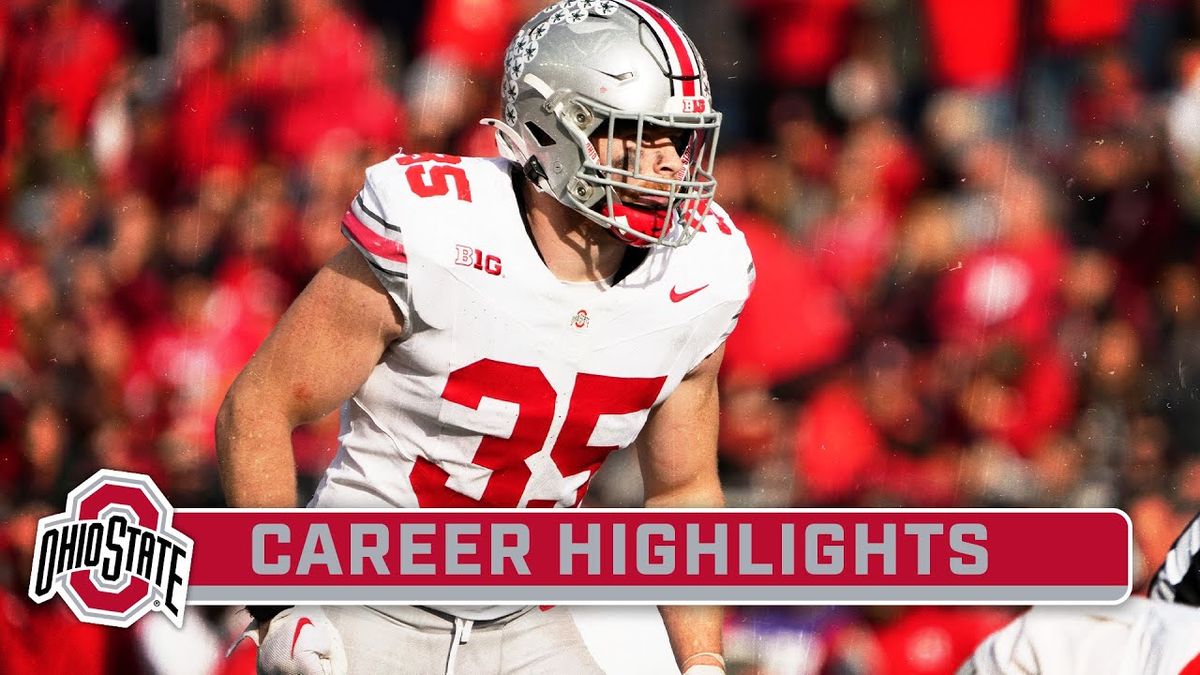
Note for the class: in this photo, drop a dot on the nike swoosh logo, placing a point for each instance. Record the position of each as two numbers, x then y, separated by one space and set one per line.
676 296
619 77
304 621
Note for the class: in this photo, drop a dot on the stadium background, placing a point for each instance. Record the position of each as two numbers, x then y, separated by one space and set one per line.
975 223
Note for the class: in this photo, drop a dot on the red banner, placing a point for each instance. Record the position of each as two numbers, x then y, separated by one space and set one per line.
639 556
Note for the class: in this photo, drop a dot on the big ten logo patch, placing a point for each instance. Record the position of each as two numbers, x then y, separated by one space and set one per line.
473 257
113 555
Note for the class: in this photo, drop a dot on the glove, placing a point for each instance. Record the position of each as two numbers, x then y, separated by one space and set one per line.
298 641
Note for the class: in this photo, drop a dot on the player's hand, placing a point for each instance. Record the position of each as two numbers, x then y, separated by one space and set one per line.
298 641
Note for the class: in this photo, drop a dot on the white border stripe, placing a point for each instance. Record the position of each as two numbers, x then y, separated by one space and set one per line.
653 595
674 57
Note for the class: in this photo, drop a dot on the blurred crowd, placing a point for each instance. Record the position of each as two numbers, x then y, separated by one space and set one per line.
976 226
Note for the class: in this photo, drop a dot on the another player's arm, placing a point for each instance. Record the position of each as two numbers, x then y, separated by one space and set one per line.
678 456
319 354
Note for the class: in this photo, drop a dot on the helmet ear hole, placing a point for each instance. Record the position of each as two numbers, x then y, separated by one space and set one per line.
539 134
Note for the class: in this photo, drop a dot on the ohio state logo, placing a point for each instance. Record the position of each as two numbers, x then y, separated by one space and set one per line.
581 319
113 555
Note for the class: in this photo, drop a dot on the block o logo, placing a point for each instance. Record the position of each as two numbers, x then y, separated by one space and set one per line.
113 555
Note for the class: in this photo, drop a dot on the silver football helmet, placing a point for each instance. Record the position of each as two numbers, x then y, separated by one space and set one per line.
621 69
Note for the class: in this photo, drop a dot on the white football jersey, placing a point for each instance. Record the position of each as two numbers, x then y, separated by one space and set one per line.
509 387
1139 637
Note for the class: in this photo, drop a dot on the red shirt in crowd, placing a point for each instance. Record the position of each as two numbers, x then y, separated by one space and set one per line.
794 321
1006 290
801 42
472 33
1083 22
839 452
320 78
973 45
206 131
64 57
48 639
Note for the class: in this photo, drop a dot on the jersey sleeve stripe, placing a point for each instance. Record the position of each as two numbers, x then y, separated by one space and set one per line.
366 210
374 262
401 275
371 241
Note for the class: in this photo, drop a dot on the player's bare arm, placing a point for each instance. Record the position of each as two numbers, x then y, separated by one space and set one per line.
678 447
319 354
678 455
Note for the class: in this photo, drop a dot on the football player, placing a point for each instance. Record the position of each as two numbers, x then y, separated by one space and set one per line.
1158 635
495 327
1141 636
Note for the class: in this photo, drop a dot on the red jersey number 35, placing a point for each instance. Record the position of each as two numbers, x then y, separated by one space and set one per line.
430 174
526 386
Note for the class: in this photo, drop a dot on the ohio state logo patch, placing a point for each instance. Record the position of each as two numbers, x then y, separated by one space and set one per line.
113 555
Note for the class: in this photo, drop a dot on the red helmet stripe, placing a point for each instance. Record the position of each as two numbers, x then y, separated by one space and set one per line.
673 36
